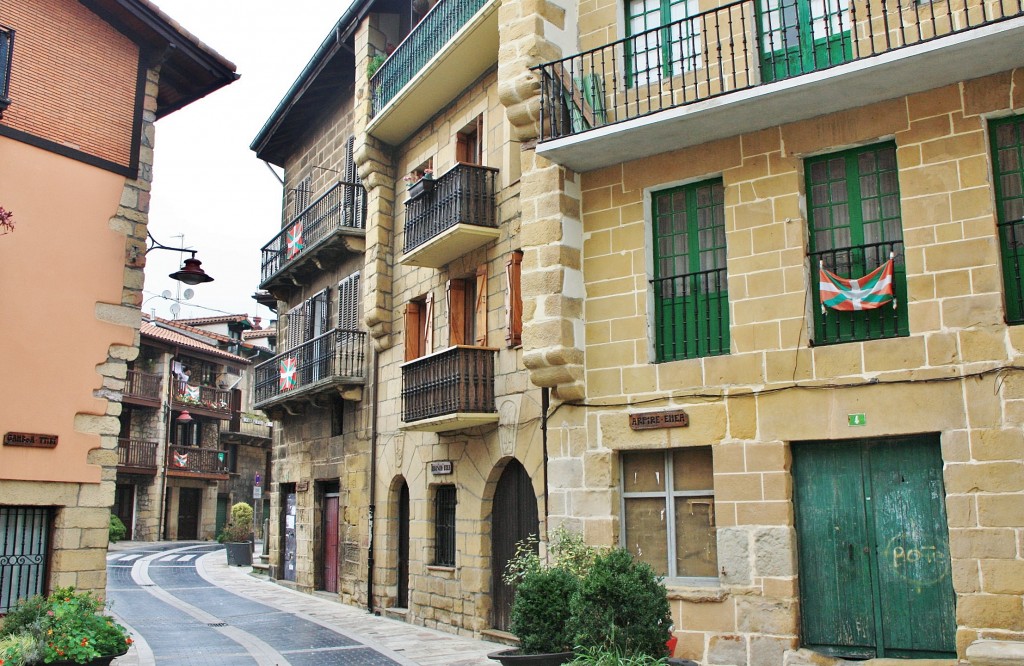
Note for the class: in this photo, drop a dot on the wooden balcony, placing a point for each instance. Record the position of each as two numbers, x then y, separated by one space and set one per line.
249 426
449 390
326 363
453 218
454 44
194 462
323 233
136 456
143 388
744 66
202 400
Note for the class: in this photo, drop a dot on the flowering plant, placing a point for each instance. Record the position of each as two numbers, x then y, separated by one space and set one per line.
65 626
6 221
416 176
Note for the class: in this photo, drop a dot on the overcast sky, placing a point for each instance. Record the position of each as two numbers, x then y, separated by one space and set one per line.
207 184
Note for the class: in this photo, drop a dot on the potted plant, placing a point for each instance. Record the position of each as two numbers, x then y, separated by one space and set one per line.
64 628
418 183
541 610
237 535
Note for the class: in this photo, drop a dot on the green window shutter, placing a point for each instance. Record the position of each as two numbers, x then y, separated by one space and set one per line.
853 204
1007 136
691 299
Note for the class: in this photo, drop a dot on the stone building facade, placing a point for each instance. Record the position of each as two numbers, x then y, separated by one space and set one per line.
56 493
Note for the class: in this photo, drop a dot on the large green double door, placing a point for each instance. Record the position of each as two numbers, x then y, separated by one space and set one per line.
874 548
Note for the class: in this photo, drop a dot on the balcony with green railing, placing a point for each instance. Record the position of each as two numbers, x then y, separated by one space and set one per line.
452 46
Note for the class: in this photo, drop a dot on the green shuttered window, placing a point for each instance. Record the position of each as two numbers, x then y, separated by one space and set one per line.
691 298
853 202
1007 137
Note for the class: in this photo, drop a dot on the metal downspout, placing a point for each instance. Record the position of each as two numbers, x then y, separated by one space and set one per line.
373 484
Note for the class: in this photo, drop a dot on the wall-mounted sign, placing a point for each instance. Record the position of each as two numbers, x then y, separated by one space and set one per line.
439 467
675 418
857 419
302 486
32 439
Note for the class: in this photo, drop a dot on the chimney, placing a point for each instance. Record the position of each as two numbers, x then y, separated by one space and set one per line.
256 323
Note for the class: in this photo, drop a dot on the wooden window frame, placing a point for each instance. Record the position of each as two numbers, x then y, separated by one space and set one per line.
469 146
514 299
419 327
466 300
1009 215
690 281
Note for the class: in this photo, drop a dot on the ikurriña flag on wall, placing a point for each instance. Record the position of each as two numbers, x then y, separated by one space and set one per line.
866 293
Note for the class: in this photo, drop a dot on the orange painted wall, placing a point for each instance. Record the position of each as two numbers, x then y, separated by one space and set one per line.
72 77
59 262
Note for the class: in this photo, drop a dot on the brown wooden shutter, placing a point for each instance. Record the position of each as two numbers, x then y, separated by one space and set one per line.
413 315
481 305
428 325
514 300
456 296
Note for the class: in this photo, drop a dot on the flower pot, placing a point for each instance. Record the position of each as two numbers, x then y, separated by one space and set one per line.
98 661
421 187
239 553
515 658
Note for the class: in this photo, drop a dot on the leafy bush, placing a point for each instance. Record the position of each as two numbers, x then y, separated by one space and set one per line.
117 529
540 611
66 626
374 63
239 528
621 607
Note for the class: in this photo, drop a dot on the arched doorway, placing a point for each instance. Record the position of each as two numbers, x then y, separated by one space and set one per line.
513 518
402 600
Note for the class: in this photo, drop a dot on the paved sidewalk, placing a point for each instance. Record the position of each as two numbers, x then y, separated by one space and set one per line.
416 644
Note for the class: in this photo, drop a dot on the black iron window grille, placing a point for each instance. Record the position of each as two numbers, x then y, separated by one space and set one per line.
444 526
6 53
24 553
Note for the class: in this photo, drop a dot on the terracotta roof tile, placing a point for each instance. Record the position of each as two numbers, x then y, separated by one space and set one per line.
151 330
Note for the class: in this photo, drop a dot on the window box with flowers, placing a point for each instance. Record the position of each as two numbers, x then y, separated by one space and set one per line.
419 183
64 628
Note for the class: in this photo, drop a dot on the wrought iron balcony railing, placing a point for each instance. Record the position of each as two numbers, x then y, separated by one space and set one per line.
691 315
137 453
888 321
143 385
196 460
336 357
341 208
735 47
458 380
422 43
463 195
202 399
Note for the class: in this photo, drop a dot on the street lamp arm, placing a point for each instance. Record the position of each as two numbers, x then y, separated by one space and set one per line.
191 273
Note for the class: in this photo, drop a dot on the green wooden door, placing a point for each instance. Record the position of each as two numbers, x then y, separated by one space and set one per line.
873 548
800 36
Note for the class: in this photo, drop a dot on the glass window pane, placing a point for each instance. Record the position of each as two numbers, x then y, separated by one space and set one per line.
692 469
643 471
696 539
647 532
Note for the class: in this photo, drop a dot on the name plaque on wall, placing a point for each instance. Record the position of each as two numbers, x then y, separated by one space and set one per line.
32 439
675 418
439 467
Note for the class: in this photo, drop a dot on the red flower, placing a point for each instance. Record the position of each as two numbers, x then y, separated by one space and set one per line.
127 640
85 641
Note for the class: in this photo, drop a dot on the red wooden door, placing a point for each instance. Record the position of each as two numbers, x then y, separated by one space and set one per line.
329 575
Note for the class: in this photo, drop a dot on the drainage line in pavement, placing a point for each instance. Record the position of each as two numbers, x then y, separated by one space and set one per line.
373 484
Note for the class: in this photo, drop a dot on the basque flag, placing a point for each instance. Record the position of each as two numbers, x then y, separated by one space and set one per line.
867 293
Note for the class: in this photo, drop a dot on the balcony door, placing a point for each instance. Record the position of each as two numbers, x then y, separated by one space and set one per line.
800 36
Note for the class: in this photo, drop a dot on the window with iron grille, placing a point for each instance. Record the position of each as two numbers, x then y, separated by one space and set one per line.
444 526
668 511
24 552
656 54
691 297
6 51
1007 136
853 205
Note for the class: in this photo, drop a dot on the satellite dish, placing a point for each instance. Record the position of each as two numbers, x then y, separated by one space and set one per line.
167 293
188 294
175 309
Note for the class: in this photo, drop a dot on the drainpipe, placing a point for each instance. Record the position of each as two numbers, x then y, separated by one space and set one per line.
545 400
373 484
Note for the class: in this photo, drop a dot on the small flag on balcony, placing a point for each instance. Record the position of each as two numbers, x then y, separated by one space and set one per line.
867 293
190 392
288 369
180 459
294 240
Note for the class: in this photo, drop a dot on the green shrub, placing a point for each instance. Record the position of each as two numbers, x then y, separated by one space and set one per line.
374 63
540 611
597 656
117 529
621 607
239 528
